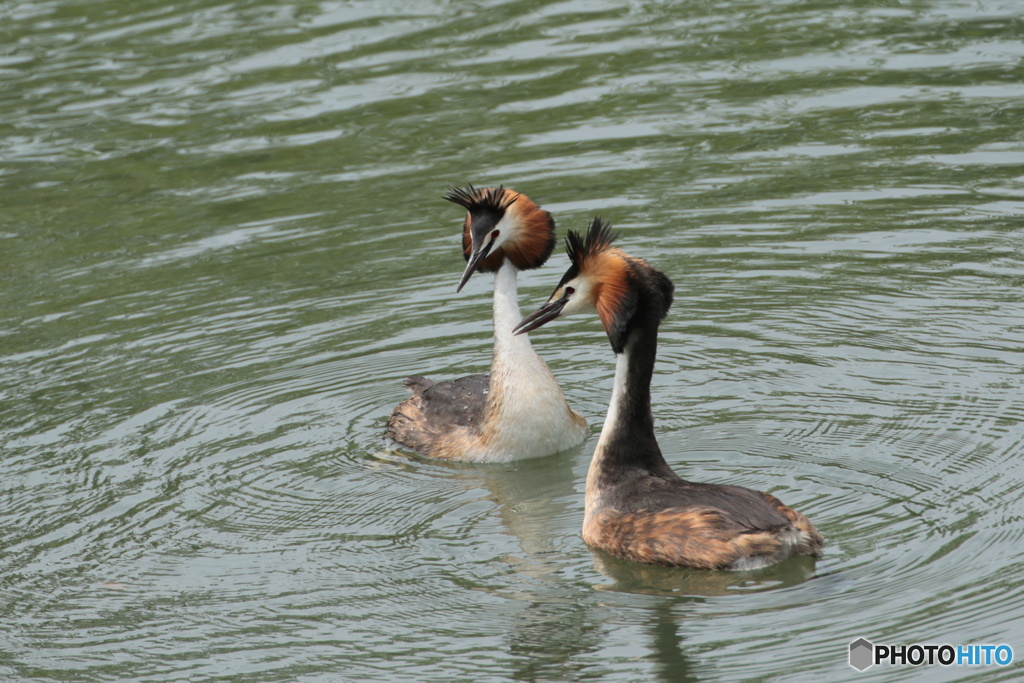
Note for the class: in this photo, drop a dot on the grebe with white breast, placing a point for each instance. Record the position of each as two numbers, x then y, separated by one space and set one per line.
518 410
635 506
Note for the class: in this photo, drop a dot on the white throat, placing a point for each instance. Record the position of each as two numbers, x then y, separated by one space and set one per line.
611 425
611 420
507 315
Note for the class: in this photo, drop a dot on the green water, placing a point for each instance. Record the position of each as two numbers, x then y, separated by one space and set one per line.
223 244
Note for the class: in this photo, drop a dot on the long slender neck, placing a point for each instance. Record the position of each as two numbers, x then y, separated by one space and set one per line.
627 439
507 315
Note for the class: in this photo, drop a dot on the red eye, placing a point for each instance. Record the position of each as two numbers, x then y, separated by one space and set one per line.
569 291
494 235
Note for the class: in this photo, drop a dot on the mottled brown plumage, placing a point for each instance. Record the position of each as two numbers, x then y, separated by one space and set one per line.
684 531
429 420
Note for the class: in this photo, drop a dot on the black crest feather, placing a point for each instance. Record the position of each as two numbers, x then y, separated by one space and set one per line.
483 199
599 237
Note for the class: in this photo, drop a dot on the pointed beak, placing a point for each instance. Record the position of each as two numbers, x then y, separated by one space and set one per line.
477 256
542 315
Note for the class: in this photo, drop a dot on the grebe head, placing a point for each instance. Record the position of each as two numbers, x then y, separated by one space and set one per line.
502 223
606 280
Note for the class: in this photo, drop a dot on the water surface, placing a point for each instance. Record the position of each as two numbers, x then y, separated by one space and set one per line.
222 246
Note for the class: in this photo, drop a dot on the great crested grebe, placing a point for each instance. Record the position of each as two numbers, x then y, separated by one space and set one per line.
636 507
518 410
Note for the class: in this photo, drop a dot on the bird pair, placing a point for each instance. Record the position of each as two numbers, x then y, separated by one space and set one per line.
636 507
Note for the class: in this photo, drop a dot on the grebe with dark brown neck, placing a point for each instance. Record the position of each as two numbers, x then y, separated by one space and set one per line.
518 410
635 506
